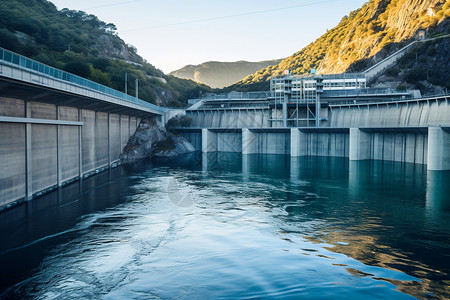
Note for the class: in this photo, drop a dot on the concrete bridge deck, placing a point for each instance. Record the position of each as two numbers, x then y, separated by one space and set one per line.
27 72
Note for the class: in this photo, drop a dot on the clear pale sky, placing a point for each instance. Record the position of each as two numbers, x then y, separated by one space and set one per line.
171 33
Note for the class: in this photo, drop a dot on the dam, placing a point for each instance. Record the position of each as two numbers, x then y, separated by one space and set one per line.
358 124
280 192
57 128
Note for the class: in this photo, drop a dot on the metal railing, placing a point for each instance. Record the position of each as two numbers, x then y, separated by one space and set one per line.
321 76
26 63
237 96
366 92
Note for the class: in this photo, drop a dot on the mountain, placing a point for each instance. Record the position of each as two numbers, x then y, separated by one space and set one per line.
221 74
366 36
82 44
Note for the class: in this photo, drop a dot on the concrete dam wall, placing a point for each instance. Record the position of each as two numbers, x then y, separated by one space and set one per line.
410 131
412 113
43 145
230 118
407 145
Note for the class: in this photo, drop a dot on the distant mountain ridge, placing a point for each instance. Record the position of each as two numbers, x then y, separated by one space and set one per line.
221 74
364 37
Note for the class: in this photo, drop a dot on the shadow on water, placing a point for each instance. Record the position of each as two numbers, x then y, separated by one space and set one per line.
29 230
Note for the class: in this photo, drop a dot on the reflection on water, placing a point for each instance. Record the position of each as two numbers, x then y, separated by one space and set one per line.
222 225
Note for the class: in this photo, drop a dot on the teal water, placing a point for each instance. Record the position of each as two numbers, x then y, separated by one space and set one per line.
226 226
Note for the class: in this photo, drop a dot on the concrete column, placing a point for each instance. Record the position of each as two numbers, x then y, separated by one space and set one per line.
298 142
438 149
80 145
109 140
249 142
28 154
318 110
129 126
285 110
120 133
209 141
58 150
359 144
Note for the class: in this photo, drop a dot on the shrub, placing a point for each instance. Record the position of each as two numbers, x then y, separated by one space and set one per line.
401 87
416 74
393 72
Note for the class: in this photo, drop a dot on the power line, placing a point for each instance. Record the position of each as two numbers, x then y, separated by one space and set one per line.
111 4
230 16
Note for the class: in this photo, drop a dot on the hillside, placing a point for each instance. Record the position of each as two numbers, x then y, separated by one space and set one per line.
361 39
221 74
86 46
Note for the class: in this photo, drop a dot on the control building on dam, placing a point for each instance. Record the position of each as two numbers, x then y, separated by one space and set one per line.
325 115
56 127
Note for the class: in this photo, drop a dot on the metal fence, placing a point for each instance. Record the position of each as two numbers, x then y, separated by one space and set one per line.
26 63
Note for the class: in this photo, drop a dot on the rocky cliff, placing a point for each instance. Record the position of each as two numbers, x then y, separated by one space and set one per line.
153 140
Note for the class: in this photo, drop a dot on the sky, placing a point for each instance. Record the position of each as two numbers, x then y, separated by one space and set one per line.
170 34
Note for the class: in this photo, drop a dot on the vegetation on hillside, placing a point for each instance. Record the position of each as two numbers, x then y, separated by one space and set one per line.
361 39
82 44
424 67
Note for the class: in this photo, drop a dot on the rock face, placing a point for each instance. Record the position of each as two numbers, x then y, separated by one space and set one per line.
153 140
361 39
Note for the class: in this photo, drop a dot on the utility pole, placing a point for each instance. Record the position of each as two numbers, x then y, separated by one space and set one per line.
126 83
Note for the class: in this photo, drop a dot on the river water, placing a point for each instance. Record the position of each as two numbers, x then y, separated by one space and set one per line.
226 226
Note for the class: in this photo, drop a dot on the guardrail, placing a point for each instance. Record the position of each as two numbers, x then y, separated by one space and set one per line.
35 66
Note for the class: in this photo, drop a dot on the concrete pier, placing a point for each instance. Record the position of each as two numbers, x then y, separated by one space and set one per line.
298 142
249 141
438 149
359 144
